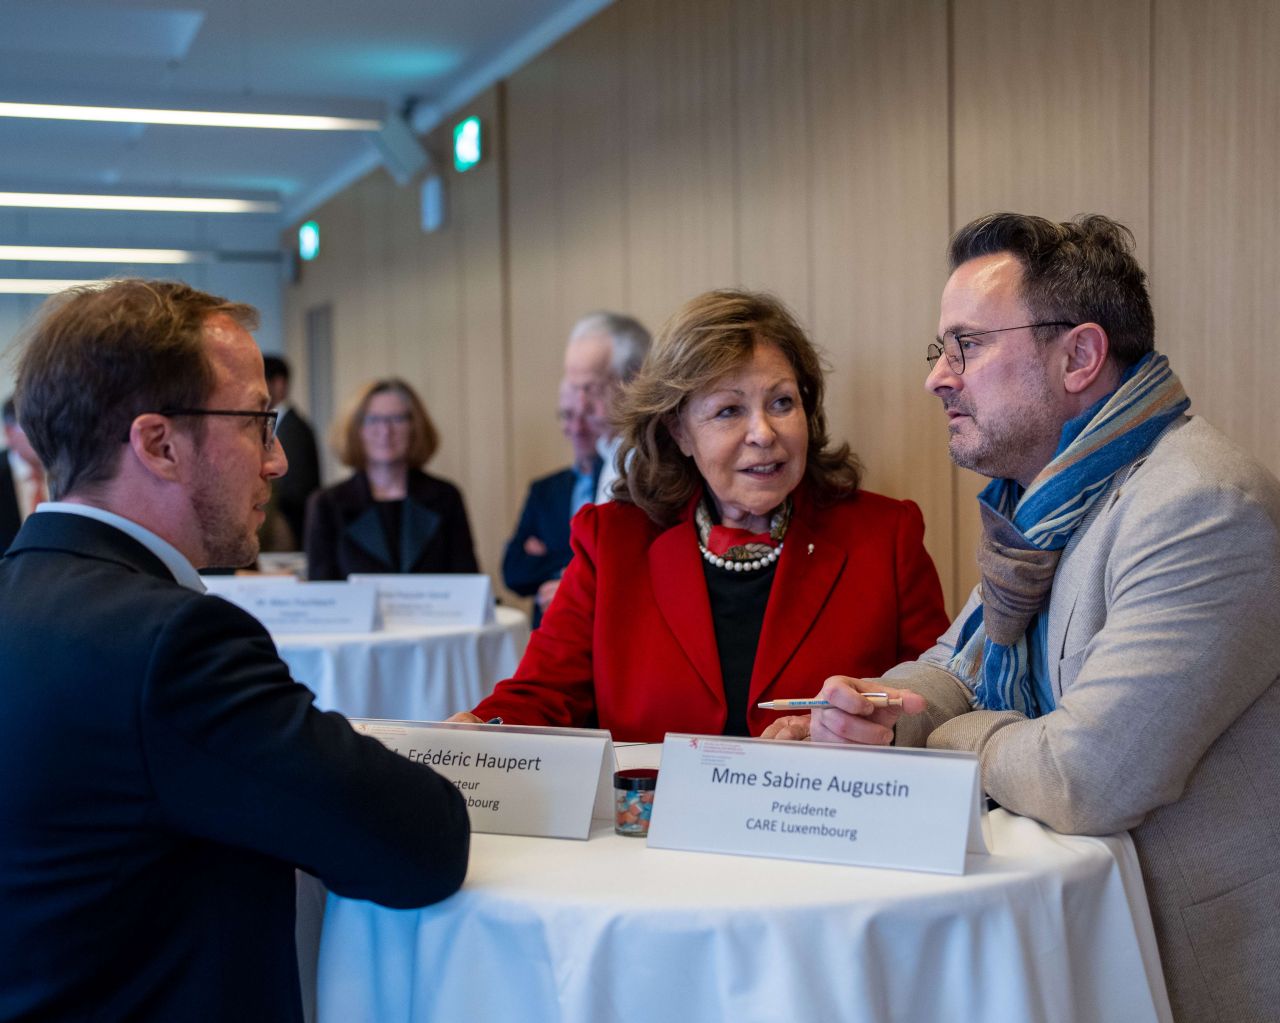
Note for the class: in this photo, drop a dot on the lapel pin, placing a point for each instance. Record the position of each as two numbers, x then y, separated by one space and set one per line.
810 548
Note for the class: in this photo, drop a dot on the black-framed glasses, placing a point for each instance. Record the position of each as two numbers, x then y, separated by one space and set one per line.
268 418
952 345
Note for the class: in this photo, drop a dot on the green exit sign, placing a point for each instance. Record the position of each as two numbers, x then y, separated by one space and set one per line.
466 144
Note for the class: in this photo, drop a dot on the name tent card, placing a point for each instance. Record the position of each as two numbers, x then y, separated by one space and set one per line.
861 805
517 780
406 601
284 605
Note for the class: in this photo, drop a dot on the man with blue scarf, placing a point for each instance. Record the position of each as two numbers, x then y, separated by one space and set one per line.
1116 668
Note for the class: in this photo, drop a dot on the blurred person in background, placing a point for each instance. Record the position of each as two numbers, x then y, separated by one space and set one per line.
293 433
605 351
389 515
535 557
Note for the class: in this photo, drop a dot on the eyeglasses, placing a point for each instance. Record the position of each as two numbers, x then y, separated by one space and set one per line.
371 420
952 344
268 419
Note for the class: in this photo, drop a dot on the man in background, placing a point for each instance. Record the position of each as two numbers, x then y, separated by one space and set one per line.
1117 668
21 478
605 351
536 556
294 434
163 774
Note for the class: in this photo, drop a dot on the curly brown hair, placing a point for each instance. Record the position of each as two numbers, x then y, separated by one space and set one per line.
713 335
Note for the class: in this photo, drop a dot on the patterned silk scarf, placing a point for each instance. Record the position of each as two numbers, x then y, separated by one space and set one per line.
1023 534
739 544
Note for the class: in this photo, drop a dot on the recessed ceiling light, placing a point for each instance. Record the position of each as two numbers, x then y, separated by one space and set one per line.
198 118
66 254
154 203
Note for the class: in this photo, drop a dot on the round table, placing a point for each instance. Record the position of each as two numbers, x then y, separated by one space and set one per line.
1046 928
420 674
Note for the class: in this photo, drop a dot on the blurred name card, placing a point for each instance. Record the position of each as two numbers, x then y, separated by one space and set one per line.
405 601
517 780
286 605
868 806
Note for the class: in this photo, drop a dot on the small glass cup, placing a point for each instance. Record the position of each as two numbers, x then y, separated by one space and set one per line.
633 800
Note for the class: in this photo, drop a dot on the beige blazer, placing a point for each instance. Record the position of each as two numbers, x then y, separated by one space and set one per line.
1164 648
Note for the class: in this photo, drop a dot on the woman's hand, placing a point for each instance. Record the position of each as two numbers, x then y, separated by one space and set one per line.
794 727
465 717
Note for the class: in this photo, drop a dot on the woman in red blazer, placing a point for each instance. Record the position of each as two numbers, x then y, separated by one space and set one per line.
739 562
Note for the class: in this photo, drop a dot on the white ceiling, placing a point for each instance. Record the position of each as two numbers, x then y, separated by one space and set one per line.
292 56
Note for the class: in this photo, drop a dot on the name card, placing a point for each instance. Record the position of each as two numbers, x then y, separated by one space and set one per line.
405 601
517 780
285 605
863 805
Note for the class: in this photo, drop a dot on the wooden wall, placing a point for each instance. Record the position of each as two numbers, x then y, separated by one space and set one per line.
823 150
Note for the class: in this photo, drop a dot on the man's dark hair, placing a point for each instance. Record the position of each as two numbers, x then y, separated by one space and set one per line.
98 356
1083 271
273 366
10 413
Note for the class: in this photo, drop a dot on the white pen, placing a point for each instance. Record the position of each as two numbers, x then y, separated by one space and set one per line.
879 699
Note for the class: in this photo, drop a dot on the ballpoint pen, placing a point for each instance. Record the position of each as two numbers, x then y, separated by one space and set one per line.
879 699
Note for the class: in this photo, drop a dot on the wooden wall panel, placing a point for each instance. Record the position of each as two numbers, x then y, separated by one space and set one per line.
877 166
1215 267
566 221
771 123
681 160
1051 108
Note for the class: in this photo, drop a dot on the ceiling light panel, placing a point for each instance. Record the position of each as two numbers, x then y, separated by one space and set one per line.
152 203
197 118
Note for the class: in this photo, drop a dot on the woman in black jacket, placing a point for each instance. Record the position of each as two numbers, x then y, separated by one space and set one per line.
389 516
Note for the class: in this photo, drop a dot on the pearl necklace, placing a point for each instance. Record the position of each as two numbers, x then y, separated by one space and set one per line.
740 566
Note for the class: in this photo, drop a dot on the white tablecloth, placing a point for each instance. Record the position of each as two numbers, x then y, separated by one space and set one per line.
422 674
1047 928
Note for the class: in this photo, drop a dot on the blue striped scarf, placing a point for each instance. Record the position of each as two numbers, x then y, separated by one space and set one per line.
1024 533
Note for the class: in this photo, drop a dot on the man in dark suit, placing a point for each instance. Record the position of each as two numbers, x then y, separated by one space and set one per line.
21 477
536 556
294 434
163 775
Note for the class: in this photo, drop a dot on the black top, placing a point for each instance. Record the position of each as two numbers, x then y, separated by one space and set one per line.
738 600
346 531
391 513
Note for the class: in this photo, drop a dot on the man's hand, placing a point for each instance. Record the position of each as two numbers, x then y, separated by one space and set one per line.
534 547
850 718
545 592
465 717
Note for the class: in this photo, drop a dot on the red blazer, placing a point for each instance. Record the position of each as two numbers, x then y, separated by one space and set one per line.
628 641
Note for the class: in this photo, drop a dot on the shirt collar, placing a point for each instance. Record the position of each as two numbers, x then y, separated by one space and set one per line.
182 570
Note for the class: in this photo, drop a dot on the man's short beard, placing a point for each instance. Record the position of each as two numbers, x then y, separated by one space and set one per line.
226 544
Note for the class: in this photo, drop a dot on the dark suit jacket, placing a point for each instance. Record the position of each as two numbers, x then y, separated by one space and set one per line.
303 478
546 516
345 534
162 777
629 639
10 512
